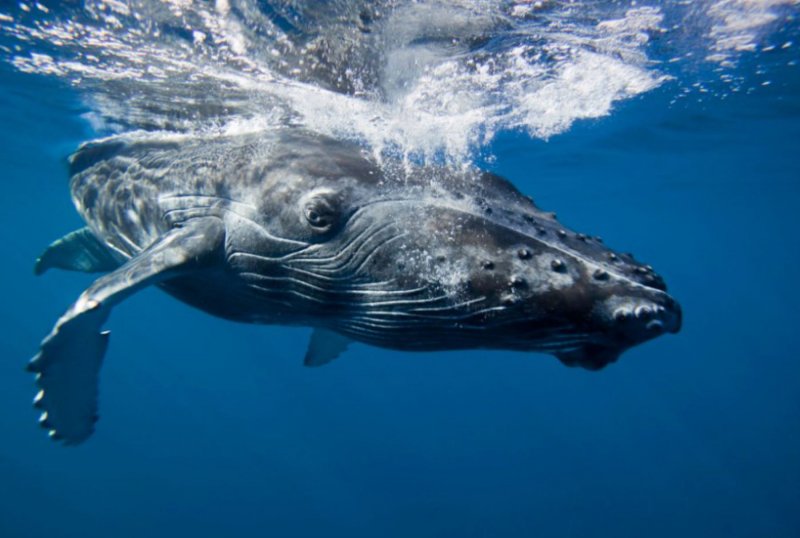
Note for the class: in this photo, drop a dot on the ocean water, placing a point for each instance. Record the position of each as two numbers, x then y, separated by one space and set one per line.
671 129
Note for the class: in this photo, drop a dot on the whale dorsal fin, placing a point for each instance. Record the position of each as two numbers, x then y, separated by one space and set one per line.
68 364
77 251
324 346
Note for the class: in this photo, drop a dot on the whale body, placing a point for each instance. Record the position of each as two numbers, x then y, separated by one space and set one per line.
290 227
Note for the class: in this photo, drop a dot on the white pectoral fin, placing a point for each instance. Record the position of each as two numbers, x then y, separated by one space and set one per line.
67 366
324 346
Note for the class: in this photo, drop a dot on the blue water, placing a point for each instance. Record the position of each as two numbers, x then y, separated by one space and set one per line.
210 428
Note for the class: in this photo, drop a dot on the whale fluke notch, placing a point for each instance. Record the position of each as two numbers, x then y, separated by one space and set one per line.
324 346
67 366
77 251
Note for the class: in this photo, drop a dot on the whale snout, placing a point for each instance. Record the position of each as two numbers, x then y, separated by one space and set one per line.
626 322
642 318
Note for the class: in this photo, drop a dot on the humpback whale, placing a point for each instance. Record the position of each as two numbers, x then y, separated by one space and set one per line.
290 227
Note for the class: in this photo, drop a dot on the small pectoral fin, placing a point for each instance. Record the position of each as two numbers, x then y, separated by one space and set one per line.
77 251
68 363
324 346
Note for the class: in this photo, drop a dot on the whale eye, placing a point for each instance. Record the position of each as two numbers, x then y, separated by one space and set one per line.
321 211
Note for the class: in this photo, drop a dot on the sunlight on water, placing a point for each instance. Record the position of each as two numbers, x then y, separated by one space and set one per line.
423 79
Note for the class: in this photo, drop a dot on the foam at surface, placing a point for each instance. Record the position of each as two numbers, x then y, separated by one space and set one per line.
427 79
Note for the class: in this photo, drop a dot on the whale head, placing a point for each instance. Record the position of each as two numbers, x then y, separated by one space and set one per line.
430 258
